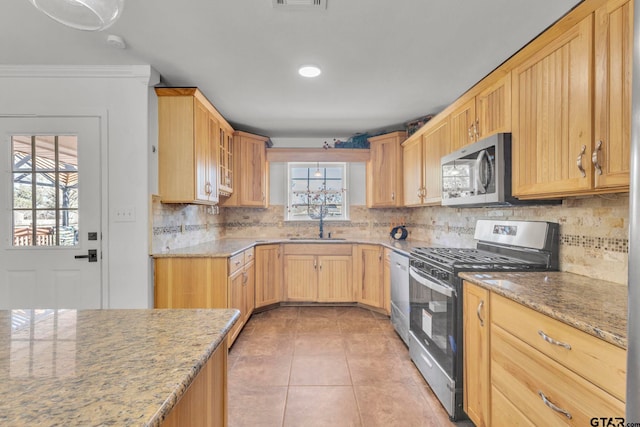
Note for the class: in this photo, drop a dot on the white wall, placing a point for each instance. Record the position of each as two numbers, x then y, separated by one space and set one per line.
121 96
278 172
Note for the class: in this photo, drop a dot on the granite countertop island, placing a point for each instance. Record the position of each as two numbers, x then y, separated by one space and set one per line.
102 367
594 306
229 247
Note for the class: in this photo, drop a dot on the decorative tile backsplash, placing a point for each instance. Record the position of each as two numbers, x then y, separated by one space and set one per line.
594 238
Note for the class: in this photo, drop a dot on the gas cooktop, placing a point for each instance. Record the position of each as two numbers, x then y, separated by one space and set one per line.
463 258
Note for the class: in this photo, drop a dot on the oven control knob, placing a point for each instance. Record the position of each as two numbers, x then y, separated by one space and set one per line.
443 275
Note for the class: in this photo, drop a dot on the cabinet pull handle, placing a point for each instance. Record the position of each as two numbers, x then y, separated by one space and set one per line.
550 340
478 312
419 192
579 161
595 160
476 129
470 132
320 266
207 188
245 278
424 192
237 262
393 195
554 407
315 264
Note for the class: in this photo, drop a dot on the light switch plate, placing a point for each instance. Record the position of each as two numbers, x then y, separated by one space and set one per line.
124 214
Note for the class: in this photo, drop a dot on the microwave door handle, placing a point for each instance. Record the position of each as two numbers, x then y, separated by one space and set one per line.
482 157
430 284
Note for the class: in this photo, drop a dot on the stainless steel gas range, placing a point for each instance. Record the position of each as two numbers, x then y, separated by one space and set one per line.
435 337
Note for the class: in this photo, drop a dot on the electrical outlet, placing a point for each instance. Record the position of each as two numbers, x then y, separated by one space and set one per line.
125 214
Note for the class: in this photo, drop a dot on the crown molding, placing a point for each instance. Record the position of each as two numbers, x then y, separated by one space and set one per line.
143 72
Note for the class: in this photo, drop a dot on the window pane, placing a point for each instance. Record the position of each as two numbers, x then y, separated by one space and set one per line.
68 190
22 231
45 191
45 153
21 190
68 153
68 227
21 148
45 224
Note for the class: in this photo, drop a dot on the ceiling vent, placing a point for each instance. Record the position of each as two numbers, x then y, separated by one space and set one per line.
300 4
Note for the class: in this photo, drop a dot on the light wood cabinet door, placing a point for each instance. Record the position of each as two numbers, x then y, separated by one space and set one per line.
301 277
477 378
369 267
190 283
237 299
268 275
335 282
413 170
463 124
552 112
612 120
225 160
250 171
249 289
187 147
384 170
436 143
386 271
493 108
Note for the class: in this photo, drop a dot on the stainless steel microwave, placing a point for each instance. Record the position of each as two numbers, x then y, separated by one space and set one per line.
479 174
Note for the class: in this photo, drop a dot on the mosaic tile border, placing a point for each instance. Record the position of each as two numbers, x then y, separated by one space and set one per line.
187 228
611 244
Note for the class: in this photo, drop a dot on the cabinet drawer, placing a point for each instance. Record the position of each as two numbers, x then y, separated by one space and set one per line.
236 262
318 249
503 413
524 375
600 362
249 255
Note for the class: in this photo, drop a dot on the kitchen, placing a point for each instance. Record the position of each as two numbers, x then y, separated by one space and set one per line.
586 248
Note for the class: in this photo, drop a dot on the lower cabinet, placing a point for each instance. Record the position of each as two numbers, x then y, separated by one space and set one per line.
368 268
318 273
386 271
477 378
268 275
241 284
529 369
207 282
204 404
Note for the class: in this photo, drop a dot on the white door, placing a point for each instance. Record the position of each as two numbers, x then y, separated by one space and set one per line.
50 212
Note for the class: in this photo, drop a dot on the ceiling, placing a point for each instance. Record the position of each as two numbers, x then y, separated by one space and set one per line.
383 62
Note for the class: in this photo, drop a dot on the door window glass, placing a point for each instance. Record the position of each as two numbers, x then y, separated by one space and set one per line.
45 190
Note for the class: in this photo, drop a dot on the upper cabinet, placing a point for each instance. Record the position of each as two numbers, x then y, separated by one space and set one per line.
384 170
572 109
251 171
482 115
225 159
187 147
612 121
422 153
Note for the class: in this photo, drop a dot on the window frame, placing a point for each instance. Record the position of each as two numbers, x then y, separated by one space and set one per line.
322 166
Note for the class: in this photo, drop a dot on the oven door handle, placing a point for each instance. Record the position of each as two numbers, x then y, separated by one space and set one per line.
445 290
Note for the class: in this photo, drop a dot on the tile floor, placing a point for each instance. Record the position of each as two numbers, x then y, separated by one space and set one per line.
326 366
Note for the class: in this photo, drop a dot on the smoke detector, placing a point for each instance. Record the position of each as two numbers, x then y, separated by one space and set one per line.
299 4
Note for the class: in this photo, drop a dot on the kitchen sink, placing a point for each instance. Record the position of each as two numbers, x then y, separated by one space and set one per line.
316 238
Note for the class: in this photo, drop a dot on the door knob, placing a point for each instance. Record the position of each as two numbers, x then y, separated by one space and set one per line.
92 255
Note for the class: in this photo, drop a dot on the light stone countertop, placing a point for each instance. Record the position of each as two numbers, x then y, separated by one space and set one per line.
594 306
102 367
228 247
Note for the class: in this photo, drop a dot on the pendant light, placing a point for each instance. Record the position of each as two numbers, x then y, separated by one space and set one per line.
87 15
317 173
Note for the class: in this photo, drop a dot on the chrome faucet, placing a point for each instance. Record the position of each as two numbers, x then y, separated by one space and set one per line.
321 234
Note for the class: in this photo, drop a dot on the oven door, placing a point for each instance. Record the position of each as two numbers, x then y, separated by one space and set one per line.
433 317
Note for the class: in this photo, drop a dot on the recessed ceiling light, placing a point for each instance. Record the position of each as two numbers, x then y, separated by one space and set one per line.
309 71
